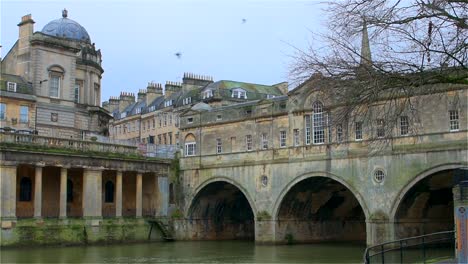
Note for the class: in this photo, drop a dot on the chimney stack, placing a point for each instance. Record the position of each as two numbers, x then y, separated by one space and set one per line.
26 29
126 99
192 81
172 87
153 91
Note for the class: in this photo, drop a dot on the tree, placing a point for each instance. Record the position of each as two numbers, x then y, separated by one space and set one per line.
418 47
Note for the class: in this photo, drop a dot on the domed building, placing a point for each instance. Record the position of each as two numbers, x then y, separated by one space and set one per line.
64 68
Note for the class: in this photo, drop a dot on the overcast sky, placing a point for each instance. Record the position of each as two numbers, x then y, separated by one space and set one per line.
138 39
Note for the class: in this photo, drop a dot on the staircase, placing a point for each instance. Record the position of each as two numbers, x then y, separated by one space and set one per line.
163 225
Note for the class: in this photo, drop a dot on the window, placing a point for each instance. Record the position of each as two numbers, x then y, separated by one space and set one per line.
77 92
190 149
165 119
282 139
109 192
69 191
11 87
24 114
207 94
318 123
123 115
25 189
269 96
264 141
307 129
2 111
219 146
154 123
219 117
239 93
144 125
379 176
358 130
170 119
339 133
170 137
380 128
404 125
248 142
160 120
187 101
296 137
165 138
454 123
54 87
97 97
168 103
190 120
138 110
159 140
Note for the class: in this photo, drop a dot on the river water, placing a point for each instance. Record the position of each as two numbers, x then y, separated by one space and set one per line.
190 252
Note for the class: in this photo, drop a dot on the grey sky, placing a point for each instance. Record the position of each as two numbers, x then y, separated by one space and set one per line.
139 38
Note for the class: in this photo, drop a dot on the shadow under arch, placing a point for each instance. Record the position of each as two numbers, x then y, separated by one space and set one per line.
317 174
412 182
200 187
220 209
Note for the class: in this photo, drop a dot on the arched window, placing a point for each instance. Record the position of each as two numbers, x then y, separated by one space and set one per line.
318 123
56 73
25 189
190 145
109 192
69 191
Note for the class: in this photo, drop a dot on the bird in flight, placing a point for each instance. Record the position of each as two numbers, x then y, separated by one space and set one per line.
244 20
178 55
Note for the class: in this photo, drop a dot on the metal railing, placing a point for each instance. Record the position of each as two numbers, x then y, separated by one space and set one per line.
418 249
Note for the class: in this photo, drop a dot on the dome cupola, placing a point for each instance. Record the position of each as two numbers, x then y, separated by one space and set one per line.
66 28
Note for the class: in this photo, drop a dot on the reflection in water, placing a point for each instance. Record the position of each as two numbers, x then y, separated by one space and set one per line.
190 252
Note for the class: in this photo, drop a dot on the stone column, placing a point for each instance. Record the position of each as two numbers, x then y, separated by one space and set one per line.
8 189
63 193
92 192
118 194
139 194
379 231
265 231
38 191
163 196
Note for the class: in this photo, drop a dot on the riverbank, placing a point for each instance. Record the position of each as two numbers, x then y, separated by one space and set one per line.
66 232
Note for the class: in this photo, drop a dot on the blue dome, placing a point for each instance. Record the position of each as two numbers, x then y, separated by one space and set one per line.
66 28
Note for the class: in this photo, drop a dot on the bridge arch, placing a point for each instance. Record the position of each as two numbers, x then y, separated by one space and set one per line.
425 203
324 174
220 208
320 206
413 181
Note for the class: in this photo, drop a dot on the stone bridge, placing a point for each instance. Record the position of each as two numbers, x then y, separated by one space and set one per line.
337 192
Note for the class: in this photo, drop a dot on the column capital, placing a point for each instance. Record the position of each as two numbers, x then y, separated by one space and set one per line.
40 164
94 168
9 163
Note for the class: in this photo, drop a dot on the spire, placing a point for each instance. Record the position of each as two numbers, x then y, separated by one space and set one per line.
366 59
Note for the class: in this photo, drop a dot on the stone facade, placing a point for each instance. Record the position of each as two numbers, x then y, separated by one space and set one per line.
65 72
305 180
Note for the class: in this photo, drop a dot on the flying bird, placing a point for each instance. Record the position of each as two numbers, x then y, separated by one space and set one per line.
244 20
178 55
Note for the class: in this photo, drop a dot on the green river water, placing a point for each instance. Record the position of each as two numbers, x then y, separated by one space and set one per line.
189 252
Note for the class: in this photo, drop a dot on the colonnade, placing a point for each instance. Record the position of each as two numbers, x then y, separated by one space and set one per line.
81 192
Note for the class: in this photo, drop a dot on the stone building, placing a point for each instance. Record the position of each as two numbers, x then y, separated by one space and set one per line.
64 69
154 116
17 104
291 169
